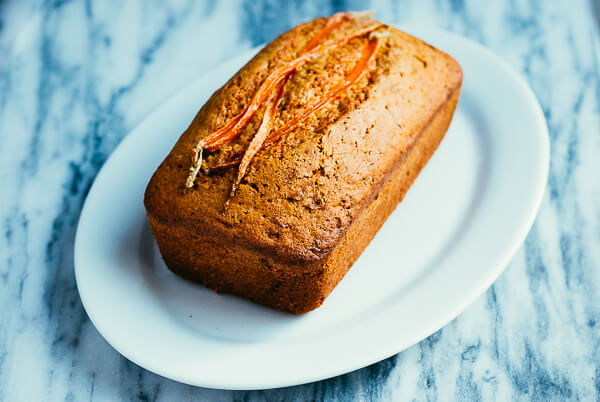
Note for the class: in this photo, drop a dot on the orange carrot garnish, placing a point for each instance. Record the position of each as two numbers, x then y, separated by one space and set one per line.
267 123
257 142
333 22
197 153
222 136
214 140
357 72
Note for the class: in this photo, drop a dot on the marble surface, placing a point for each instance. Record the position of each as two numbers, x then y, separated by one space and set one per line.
77 76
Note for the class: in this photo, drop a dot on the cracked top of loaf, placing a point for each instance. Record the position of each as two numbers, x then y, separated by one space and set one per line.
301 194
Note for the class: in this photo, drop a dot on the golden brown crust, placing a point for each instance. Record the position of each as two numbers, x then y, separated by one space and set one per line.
296 212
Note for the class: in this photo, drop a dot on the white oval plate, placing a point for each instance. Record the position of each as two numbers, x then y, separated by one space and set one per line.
451 237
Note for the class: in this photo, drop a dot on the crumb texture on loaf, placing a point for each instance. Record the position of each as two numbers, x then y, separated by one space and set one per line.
302 195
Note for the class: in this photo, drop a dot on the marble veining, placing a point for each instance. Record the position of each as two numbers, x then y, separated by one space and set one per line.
77 76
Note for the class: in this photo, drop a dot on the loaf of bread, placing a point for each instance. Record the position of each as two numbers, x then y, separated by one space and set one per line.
341 114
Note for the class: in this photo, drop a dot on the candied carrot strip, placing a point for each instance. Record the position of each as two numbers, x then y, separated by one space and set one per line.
197 152
333 23
357 72
213 142
257 142
267 123
231 124
220 137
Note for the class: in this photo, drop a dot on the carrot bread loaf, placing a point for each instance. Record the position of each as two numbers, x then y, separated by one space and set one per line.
289 170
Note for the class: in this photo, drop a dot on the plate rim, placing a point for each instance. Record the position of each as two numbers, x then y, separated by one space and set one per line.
493 271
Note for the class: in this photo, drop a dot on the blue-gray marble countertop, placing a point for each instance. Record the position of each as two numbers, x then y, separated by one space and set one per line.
77 76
